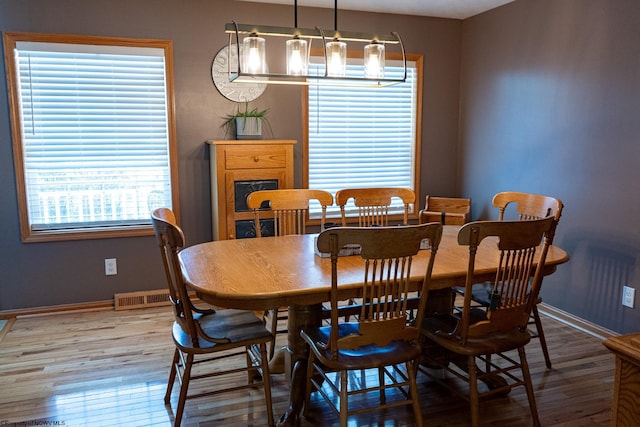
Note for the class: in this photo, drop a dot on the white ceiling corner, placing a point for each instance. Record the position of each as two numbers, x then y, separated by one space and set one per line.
455 9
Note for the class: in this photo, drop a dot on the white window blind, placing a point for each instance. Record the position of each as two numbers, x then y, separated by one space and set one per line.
362 137
95 134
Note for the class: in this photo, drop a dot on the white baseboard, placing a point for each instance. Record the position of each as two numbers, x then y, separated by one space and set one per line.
576 322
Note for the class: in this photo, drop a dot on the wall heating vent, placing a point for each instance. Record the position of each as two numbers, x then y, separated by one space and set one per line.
141 299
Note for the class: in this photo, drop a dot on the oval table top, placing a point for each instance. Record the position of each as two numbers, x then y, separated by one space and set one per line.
257 274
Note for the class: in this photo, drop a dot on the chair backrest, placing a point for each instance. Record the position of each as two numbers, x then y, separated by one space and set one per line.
289 207
373 204
513 292
528 206
388 253
447 210
171 240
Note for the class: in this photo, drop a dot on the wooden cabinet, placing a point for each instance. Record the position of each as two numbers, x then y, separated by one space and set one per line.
238 168
625 408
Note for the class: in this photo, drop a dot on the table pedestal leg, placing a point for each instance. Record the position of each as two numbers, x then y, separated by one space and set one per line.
300 316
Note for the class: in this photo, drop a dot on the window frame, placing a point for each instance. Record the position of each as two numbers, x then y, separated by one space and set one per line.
418 59
28 234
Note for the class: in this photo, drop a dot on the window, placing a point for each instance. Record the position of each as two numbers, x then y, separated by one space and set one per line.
364 137
94 134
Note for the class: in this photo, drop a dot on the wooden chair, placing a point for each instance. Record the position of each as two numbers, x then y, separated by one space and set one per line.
455 341
373 204
381 338
205 335
290 209
527 207
447 210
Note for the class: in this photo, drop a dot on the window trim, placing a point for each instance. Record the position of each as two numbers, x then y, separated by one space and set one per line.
27 234
418 59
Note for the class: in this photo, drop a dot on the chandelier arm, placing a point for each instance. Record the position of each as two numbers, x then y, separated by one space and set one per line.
235 24
324 47
404 56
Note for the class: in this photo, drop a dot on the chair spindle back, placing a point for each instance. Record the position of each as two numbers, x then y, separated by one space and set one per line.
388 254
289 207
373 204
513 292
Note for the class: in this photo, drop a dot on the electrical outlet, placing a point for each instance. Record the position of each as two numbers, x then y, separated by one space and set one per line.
110 267
628 296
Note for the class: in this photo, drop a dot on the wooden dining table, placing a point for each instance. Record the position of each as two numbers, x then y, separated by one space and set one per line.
260 274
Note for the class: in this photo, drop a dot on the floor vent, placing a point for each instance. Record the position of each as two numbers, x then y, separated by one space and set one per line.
141 299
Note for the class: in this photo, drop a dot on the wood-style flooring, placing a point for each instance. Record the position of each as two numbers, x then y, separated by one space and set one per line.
109 368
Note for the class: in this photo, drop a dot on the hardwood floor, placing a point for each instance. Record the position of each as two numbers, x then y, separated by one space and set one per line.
109 368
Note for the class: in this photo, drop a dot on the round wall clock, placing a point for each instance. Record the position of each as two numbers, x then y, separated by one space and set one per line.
239 92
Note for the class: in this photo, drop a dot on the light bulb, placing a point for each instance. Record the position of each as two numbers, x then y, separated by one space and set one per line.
253 53
336 58
374 60
297 59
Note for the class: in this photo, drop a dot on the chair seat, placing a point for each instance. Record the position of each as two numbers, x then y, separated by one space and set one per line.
436 329
481 294
365 357
239 327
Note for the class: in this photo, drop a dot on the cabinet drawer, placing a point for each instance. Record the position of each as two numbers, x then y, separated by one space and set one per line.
268 156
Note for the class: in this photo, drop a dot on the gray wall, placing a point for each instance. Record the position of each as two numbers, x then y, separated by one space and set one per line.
44 274
550 96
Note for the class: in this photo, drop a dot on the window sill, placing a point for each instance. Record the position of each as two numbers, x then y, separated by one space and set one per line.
87 234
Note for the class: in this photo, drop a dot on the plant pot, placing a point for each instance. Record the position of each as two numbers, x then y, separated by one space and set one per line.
248 128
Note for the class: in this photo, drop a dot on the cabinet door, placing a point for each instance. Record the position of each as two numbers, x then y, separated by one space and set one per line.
238 184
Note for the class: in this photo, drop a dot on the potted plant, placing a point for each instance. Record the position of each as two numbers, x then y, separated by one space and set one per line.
246 123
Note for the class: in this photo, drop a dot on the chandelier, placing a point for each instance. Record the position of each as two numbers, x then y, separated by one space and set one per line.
252 64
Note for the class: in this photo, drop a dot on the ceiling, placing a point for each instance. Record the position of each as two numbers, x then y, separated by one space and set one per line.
456 9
